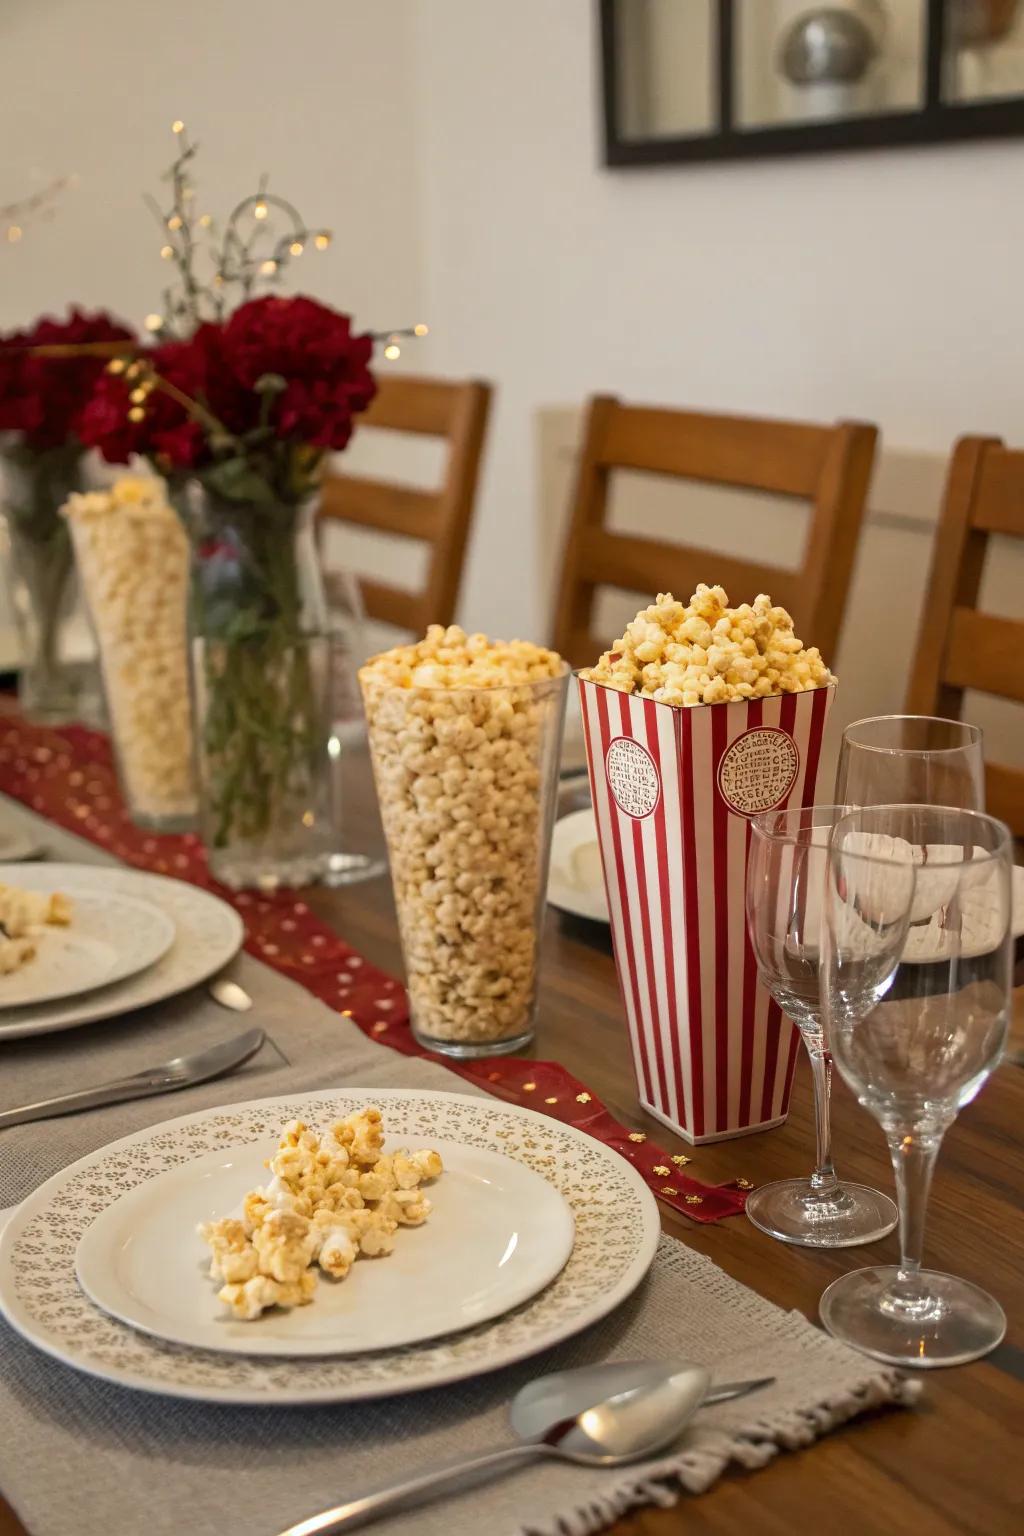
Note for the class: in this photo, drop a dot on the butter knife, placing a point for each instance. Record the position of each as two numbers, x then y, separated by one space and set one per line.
179 1072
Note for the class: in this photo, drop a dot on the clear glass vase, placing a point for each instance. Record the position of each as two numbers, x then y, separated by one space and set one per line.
132 558
57 682
260 666
467 780
358 853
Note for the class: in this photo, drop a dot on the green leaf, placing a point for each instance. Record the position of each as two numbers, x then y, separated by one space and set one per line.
236 480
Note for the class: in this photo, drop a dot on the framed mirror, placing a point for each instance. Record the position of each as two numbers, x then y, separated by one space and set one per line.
724 79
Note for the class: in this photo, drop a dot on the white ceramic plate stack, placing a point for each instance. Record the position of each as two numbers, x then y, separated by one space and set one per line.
134 939
537 1231
576 884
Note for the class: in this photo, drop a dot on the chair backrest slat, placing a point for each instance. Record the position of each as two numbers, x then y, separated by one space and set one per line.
400 509
982 653
959 646
439 518
829 467
784 456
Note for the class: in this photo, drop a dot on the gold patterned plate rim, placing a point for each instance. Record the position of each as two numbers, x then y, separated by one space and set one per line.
208 934
616 1220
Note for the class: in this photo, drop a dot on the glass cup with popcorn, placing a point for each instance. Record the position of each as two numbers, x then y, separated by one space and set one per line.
132 556
465 736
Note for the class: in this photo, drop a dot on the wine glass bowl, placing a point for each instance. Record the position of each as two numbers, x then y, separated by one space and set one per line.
784 896
916 978
911 760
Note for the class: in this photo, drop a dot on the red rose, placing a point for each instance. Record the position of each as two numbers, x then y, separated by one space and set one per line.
325 366
167 431
325 369
43 397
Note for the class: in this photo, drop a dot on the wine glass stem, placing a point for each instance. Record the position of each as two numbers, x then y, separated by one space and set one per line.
823 1179
913 1160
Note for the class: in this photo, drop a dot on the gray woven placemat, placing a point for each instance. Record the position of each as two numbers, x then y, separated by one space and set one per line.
79 1456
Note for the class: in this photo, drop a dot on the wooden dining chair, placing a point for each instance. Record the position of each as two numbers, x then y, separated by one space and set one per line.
828 467
440 518
959 646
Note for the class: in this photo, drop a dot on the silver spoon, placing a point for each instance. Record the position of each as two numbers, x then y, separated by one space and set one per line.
600 1416
229 994
180 1072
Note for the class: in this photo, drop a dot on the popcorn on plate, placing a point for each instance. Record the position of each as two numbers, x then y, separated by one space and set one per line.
21 913
331 1200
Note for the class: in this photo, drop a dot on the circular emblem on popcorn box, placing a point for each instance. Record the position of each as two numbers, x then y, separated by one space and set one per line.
758 770
632 776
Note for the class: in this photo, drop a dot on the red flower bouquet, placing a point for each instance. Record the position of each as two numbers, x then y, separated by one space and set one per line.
239 417
248 405
46 377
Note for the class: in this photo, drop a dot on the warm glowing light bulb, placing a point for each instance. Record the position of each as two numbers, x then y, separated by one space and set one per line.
136 413
137 396
154 322
116 365
14 233
392 350
260 211
167 251
177 126
268 267
174 222
296 247
421 329
205 220
322 240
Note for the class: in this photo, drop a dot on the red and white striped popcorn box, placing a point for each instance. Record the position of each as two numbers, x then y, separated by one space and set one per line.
674 790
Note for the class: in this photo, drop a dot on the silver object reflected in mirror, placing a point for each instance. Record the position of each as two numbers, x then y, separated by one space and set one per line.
828 46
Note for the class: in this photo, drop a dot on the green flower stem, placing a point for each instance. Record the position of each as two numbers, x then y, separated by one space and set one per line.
259 731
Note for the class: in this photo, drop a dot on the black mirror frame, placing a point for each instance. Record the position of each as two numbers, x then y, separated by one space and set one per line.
935 122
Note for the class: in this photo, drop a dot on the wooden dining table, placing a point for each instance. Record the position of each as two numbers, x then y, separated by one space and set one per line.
947 1465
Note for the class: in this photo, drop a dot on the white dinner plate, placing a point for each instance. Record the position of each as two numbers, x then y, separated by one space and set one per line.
497 1234
207 934
616 1234
576 884
18 841
575 881
110 936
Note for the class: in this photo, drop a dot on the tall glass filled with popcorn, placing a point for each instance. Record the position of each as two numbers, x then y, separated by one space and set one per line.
465 736
132 556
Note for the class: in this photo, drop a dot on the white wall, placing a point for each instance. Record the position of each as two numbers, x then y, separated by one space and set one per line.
453 146
316 92
880 285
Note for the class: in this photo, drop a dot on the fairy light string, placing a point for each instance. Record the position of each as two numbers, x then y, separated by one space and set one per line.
219 268
16 217
249 253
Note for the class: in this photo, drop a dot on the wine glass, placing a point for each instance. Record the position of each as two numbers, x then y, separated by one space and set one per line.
911 760
916 976
785 887
360 855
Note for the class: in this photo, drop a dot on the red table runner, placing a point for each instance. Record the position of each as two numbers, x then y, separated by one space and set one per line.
68 776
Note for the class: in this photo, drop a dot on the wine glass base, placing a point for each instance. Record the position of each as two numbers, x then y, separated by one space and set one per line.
942 1321
792 1211
350 868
